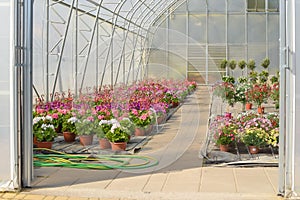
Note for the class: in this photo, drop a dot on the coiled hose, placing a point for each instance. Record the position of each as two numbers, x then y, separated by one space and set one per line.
100 162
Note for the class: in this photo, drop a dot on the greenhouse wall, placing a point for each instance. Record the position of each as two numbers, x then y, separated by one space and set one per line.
194 37
8 167
80 46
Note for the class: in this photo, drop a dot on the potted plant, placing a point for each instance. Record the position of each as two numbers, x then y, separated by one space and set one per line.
44 131
104 128
259 93
265 63
242 64
142 120
117 137
232 65
251 64
225 90
226 135
69 127
86 128
254 138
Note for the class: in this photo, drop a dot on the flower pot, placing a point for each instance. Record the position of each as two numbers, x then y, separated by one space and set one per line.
118 146
224 147
248 106
174 104
149 129
104 143
253 149
46 145
69 136
86 140
139 131
260 110
161 119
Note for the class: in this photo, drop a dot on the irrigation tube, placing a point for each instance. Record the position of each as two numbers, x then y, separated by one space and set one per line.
100 162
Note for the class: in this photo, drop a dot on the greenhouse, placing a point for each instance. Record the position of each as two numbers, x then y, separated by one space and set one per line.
110 67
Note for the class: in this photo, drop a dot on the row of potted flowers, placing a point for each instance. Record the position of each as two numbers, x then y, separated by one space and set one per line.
109 113
249 128
256 88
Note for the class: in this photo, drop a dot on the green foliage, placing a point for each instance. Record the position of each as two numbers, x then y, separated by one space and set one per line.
266 62
263 76
254 136
117 135
228 79
223 64
69 123
251 64
242 64
232 64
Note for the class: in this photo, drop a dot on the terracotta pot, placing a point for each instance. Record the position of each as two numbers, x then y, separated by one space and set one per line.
104 143
149 129
260 110
46 145
224 147
69 136
139 131
118 146
175 104
248 106
253 149
161 119
86 140
34 140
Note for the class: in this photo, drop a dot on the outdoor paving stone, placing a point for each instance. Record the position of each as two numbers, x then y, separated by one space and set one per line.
183 181
7 195
253 179
130 182
34 197
155 182
49 198
217 180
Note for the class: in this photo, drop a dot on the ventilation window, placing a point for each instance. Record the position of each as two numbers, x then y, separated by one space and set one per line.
256 6
260 5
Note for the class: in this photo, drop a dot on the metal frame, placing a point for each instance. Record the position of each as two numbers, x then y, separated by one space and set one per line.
133 21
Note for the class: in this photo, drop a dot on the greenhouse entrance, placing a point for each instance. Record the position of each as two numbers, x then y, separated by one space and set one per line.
143 72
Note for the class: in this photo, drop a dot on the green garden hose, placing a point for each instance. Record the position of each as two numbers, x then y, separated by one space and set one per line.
100 162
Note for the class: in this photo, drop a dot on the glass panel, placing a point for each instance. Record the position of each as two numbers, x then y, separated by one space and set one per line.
216 5
274 58
197 28
273 5
256 28
177 28
273 28
236 28
197 5
236 6
216 28
196 76
256 5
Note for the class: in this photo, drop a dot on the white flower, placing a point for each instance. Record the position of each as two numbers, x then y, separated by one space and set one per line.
46 126
36 120
72 120
114 126
48 117
103 122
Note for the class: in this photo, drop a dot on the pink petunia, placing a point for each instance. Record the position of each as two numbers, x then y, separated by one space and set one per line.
55 116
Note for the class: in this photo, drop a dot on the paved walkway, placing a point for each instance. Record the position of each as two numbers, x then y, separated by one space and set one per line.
179 175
